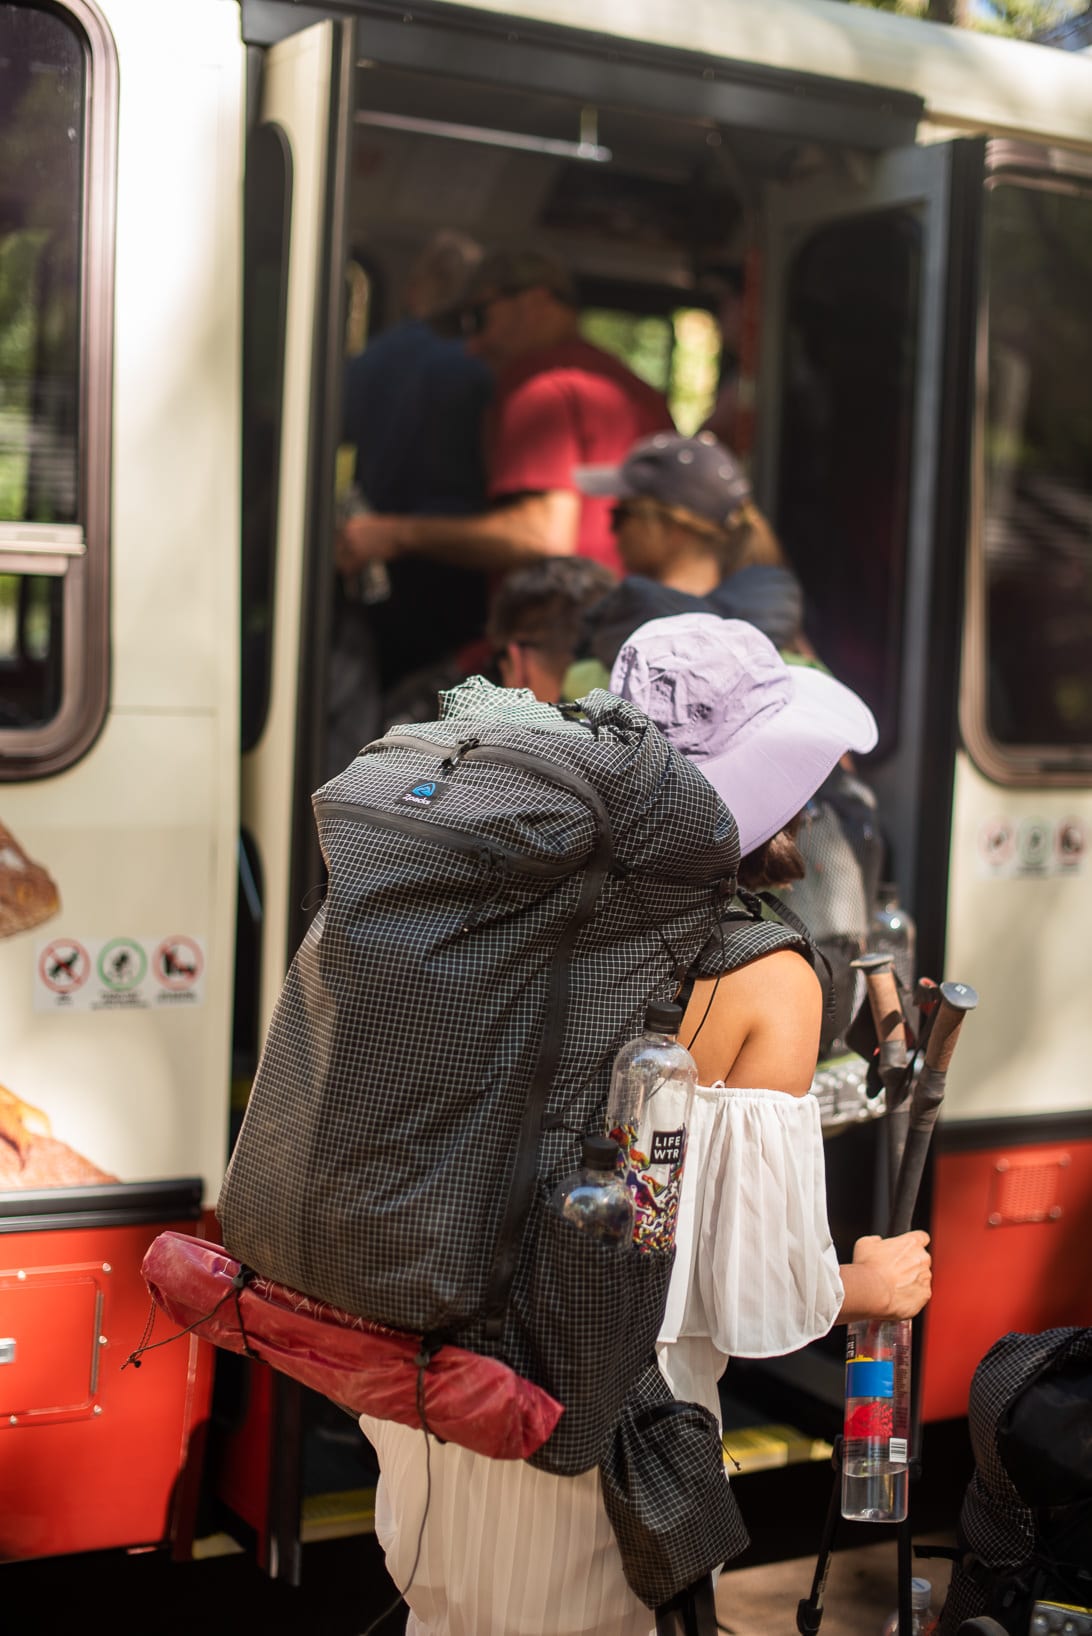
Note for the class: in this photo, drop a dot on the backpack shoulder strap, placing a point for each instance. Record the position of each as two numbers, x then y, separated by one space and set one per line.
744 932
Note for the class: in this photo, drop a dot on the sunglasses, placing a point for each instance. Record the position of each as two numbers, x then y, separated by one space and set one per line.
633 508
472 318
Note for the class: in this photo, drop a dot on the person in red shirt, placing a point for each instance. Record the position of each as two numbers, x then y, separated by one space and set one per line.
560 403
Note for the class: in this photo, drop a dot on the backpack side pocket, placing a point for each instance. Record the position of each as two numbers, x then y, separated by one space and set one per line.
592 1315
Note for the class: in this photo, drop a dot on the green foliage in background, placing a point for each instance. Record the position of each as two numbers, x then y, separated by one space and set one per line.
1021 18
678 354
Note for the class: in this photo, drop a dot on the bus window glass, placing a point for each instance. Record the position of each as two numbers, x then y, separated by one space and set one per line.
42 97
677 352
268 205
842 496
642 340
1037 523
695 368
30 649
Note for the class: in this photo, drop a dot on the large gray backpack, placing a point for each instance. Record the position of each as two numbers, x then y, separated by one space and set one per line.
508 888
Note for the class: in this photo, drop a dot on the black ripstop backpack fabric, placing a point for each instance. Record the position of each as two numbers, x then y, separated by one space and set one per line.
505 896
1025 1528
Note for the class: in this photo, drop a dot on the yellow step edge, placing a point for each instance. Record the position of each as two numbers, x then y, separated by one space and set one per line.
337 1516
341 1515
763 1448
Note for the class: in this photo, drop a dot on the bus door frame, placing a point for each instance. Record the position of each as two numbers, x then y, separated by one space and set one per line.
305 91
914 783
943 182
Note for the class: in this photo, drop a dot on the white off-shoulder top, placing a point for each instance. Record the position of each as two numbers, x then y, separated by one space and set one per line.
509 1550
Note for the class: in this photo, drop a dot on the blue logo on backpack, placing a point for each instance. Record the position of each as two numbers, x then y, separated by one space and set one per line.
424 793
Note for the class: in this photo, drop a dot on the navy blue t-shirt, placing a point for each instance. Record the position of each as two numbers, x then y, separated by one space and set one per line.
413 407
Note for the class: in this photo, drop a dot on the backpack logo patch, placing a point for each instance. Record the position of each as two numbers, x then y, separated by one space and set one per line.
425 793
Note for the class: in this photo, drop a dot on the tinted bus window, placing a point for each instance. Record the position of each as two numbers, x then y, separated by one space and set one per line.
843 479
42 101
265 282
1037 521
677 352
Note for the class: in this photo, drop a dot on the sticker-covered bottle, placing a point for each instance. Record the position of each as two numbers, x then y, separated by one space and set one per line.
648 1114
876 1433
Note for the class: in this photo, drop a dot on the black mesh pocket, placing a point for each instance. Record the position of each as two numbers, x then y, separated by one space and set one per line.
591 1315
674 1516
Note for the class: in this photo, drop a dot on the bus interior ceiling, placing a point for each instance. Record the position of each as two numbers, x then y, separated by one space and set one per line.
679 199
675 197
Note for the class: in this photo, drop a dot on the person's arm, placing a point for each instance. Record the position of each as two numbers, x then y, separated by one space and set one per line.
514 533
536 512
762 1031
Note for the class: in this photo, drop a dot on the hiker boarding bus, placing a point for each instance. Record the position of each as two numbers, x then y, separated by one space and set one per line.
203 205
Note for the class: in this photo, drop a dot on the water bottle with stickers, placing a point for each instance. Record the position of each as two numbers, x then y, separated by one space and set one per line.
649 1109
876 1432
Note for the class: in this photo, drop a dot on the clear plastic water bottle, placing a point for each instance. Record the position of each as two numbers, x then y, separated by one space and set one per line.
648 1114
876 1432
924 1619
596 1199
893 932
373 583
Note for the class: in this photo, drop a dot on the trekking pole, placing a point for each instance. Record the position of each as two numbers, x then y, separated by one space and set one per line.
952 1005
894 1063
955 1000
890 1025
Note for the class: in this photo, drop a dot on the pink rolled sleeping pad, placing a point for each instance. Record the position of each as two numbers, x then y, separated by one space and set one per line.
474 1401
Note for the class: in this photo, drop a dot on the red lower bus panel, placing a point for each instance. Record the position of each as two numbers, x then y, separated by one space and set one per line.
1011 1228
90 1456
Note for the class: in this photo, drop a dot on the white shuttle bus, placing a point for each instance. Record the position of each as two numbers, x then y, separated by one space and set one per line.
204 204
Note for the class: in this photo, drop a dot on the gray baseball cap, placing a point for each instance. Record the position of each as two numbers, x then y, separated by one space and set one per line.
697 473
765 734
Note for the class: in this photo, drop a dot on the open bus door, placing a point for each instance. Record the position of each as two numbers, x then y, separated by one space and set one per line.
869 311
297 168
925 349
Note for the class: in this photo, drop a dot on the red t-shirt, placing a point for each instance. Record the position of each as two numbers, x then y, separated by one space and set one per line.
569 405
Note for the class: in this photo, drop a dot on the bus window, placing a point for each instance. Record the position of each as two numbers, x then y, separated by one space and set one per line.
1036 527
843 471
677 352
53 462
265 279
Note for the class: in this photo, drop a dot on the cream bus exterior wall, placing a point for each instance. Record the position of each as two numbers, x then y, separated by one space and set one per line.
141 833
969 82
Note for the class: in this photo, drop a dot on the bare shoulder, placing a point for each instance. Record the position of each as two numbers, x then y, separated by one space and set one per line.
762 1026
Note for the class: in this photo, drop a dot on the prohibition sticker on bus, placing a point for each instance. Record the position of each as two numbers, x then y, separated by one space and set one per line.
62 970
121 973
178 964
1030 848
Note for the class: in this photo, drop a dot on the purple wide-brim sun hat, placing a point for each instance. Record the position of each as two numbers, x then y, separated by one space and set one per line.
765 734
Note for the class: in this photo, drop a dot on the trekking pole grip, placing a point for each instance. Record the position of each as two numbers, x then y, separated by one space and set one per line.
883 999
956 999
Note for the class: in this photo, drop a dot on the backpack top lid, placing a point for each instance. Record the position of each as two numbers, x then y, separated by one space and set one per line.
661 815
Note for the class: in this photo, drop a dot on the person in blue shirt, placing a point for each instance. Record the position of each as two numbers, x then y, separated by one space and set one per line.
413 406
